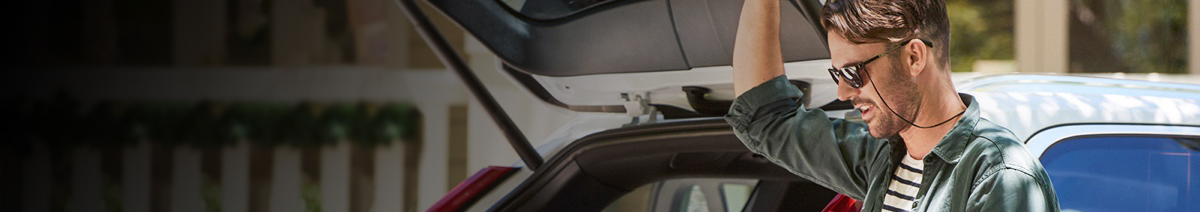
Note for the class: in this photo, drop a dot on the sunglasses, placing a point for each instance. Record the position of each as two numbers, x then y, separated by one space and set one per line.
851 73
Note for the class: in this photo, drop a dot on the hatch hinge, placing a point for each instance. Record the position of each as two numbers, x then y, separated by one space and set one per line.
637 105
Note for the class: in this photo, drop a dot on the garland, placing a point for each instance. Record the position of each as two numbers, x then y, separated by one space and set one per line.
65 122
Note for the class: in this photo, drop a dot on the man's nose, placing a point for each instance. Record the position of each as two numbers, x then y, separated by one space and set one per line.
844 91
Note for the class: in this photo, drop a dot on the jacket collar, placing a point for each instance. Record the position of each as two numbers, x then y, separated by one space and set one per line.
951 147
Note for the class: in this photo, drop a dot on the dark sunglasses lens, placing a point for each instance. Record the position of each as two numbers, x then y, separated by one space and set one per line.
834 74
848 73
851 76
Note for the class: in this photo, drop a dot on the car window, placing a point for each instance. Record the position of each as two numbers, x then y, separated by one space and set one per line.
636 200
693 200
1125 173
688 195
549 9
736 195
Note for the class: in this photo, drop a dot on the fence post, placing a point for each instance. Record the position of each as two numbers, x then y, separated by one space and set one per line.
38 171
1042 35
335 177
285 181
389 177
135 177
235 177
186 180
87 181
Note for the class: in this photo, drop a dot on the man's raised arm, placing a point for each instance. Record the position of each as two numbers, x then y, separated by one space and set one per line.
756 53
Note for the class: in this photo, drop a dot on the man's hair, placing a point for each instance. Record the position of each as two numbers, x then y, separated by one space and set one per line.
889 21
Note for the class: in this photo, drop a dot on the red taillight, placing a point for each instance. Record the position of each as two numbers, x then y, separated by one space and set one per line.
468 190
842 203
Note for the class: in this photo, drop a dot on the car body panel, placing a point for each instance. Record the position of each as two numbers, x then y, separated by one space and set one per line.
1027 103
1042 140
621 36
665 87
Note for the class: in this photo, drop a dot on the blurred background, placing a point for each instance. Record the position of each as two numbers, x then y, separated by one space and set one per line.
338 105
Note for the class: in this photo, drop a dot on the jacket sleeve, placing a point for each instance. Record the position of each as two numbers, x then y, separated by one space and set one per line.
836 154
1011 190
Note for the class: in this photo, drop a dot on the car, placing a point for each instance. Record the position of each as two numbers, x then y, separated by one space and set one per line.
1107 144
649 82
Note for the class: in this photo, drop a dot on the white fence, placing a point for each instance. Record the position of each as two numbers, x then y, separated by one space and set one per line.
150 177
143 177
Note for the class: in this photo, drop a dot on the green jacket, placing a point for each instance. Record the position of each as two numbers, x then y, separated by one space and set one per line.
977 166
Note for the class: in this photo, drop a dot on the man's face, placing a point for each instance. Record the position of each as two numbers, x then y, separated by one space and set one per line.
883 75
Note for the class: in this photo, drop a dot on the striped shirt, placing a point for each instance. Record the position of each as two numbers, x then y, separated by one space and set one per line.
906 182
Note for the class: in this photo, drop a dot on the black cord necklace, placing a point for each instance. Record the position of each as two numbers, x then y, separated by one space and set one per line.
914 115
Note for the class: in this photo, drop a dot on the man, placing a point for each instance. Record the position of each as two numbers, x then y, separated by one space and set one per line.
923 146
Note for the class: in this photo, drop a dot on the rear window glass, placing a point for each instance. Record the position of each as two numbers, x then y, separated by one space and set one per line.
1125 173
689 195
549 9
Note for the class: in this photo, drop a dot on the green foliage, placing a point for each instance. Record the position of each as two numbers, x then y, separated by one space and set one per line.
106 125
112 198
310 194
298 128
200 127
160 122
258 122
203 125
979 30
338 122
211 195
1147 35
388 123
1144 35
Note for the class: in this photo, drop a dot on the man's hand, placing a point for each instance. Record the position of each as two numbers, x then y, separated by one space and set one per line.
756 53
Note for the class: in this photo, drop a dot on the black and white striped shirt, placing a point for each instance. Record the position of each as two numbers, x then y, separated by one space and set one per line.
906 182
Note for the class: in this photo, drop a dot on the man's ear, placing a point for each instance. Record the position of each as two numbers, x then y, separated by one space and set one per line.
917 56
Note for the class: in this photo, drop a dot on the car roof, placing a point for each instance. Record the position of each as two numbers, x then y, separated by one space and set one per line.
1026 103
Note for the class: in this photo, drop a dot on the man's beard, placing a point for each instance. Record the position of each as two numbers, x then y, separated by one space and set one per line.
902 97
